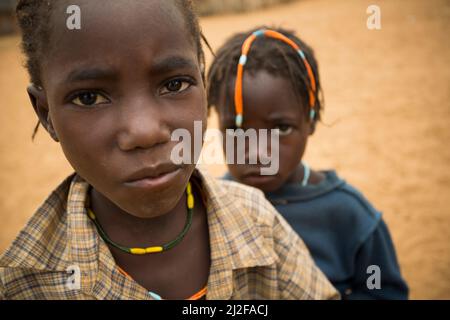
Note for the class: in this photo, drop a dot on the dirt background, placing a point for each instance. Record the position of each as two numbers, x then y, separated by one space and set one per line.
386 123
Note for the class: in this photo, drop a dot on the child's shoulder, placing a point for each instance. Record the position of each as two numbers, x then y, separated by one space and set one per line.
244 213
343 205
37 244
39 248
345 212
332 194
251 201
333 204
258 236
349 209
351 200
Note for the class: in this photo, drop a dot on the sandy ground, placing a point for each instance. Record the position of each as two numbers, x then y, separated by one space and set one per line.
386 125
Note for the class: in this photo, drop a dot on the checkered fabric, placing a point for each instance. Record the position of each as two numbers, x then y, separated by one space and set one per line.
254 252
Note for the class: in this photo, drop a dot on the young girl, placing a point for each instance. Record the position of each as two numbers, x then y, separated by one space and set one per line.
268 79
131 224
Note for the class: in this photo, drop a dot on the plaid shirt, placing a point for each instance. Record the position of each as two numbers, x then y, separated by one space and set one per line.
254 253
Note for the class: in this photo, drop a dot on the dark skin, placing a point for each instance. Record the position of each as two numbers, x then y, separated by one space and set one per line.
270 103
111 96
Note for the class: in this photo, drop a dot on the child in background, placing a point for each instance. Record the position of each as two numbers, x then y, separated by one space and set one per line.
130 223
268 79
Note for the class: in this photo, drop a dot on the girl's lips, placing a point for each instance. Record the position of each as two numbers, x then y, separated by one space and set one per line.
151 183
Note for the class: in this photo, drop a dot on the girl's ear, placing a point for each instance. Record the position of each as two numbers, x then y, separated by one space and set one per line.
38 99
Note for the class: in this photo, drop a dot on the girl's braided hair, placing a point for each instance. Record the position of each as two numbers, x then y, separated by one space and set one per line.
271 55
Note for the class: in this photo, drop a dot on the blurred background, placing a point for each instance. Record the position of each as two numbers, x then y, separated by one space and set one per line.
386 125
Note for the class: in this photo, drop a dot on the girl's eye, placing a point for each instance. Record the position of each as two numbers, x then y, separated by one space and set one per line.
284 129
175 86
89 99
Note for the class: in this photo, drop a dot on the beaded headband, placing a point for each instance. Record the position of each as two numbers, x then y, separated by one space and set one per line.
238 98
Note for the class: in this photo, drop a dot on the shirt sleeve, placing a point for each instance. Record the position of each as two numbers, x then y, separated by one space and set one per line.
377 255
299 277
2 291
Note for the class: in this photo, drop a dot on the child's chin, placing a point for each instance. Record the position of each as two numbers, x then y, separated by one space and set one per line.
264 183
151 208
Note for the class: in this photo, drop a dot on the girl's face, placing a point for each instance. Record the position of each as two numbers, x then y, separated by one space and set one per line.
115 90
269 103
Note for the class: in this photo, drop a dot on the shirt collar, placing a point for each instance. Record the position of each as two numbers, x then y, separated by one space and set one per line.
235 241
294 192
45 230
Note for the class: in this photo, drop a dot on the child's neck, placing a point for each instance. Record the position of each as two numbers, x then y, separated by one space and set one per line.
133 231
297 176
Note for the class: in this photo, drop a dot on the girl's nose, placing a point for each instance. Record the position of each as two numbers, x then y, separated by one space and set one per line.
143 125
260 150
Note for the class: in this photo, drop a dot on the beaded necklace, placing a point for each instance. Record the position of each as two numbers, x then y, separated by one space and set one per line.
306 174
153 249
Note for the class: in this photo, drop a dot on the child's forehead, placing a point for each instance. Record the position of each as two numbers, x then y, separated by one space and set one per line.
112 21
119 36
266 96
118 11
262 85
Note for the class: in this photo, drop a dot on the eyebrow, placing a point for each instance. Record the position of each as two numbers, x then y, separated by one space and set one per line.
172 63
160 67
79 75
277 116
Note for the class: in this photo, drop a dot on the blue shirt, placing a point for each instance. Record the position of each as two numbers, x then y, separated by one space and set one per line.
345 236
